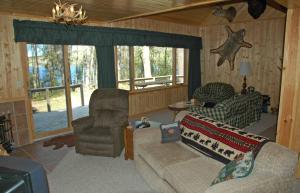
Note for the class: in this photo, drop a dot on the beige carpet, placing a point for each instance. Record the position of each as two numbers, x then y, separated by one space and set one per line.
93 174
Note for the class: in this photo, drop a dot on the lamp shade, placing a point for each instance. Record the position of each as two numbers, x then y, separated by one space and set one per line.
245 68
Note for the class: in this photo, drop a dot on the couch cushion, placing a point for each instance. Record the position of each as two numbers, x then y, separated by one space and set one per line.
192 176
159 156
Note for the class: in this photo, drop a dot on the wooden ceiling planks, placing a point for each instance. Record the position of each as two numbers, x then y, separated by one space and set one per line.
104 10
193 12
203 15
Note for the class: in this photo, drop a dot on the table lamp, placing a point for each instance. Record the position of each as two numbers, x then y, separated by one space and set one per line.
244 71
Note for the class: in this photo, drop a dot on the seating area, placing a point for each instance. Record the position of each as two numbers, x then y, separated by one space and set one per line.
177 167
236 110
139 96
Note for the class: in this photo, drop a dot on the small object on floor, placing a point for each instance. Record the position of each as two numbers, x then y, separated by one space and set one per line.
266 102
58 142
144 123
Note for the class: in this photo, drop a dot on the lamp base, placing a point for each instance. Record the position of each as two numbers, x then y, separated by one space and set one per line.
244 86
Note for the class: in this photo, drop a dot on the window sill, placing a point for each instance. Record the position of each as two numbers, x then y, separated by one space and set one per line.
157 88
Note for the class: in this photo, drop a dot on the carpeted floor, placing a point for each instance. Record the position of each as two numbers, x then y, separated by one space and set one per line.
94 174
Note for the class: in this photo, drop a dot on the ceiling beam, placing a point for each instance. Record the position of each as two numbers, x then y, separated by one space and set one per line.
277 5
191 5
282 2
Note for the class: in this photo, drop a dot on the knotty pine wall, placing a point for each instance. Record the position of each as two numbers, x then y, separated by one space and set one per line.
265 57
13 99
11 74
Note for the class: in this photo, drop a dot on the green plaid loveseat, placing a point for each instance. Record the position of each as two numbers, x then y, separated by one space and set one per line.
214 92
238 111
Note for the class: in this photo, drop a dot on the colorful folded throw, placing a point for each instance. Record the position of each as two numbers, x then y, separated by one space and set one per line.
217 140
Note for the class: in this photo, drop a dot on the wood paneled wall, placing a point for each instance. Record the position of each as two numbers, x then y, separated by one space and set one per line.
265 57
289 122
147 101
11 73
13 97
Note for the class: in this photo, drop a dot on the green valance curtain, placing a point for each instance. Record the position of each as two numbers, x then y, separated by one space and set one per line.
104 38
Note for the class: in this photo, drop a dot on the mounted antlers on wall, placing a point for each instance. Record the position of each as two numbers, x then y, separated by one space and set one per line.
229 13
231 46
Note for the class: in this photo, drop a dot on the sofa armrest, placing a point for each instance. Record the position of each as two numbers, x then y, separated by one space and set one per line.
255 183
82 124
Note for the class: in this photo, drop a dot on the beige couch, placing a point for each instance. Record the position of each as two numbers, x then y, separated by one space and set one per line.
176 168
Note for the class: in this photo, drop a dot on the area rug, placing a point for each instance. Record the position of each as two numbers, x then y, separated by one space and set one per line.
59 141
78 173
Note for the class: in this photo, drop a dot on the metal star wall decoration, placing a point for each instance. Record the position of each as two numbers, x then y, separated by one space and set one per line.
231 46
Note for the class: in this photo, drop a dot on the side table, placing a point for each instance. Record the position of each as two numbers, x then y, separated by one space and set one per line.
182 105
128 142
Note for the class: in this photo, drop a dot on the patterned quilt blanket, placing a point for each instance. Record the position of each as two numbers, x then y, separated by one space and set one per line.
217 140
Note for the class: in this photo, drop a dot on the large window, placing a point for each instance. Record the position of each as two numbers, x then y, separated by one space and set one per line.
61 80
142 67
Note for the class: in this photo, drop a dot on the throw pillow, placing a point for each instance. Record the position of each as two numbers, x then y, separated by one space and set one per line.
170 132
238 168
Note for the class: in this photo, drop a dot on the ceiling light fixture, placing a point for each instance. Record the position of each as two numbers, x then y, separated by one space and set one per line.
66 13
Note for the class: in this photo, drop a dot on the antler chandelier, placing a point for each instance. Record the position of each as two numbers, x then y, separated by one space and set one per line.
66 13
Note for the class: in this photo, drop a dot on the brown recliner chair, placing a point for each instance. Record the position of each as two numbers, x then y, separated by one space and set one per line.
102 132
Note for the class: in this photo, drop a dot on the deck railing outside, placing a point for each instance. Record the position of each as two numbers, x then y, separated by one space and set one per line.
48 89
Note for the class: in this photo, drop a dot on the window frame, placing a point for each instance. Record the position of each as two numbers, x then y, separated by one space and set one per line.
131 80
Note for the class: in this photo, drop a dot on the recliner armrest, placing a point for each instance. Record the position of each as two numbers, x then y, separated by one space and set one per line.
82 124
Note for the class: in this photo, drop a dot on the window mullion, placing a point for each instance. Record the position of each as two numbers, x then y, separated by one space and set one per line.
116 66
131 68
174 62
186 66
